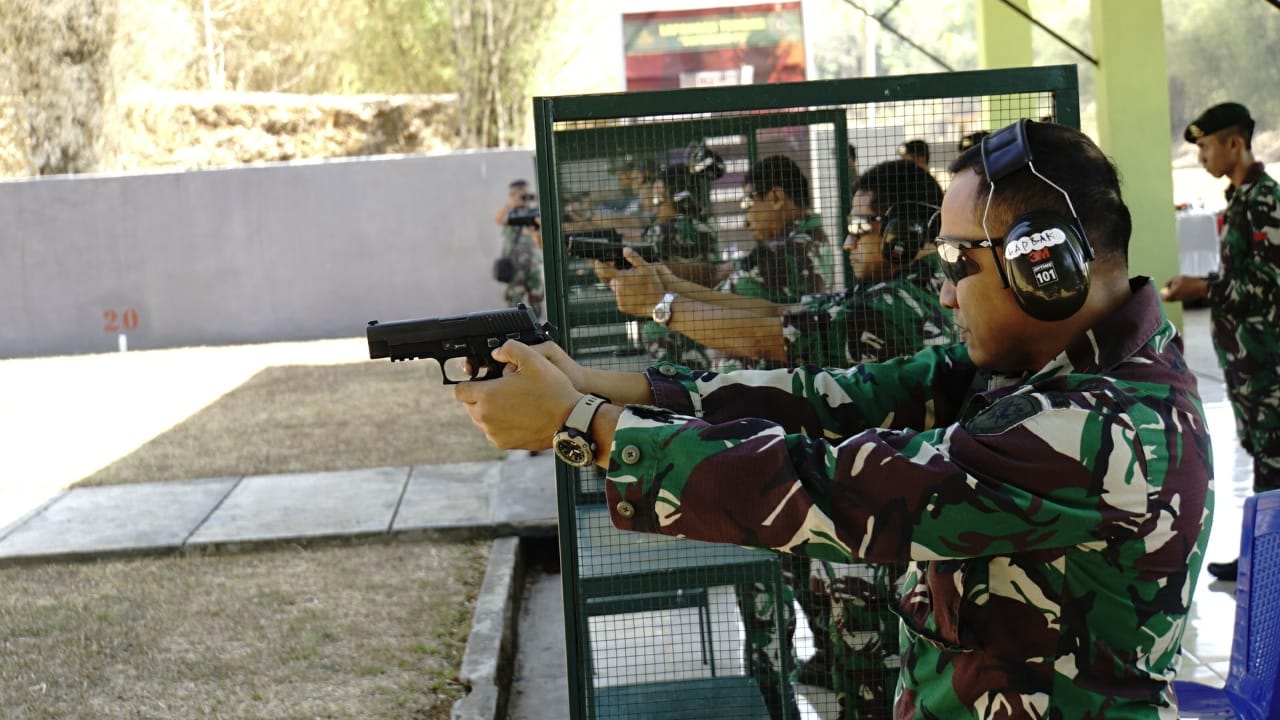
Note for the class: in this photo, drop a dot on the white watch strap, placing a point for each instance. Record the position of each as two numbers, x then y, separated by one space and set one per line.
583 412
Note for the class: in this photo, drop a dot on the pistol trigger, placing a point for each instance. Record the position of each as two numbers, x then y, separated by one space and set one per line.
495 369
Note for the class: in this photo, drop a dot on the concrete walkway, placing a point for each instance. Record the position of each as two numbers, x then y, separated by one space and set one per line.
462 501
506 500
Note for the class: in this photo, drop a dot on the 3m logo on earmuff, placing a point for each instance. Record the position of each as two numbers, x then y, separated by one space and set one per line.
1047 255
1036 247
1028 244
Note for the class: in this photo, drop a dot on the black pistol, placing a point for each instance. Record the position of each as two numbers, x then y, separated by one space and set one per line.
606 246
472 336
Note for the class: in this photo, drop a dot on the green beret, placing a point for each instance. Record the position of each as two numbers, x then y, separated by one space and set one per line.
1217 118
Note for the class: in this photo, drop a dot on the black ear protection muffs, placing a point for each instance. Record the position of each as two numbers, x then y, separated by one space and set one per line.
907 227
1044 256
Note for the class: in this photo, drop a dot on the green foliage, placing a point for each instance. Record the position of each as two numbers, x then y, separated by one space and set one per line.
1220 50
64 58
296 46
495 47
401 48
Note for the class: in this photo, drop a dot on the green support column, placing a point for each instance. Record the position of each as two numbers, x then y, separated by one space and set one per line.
1133 122
1004 41
1004 37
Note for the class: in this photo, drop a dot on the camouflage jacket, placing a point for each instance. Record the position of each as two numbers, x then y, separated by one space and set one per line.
1056 522
1244 296
870 322
684 237
780 270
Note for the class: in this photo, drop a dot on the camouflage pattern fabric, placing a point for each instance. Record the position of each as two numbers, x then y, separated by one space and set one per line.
782 269
1055 523
871 322
686 239
526 286
868 323
865 658
779 270
1244 302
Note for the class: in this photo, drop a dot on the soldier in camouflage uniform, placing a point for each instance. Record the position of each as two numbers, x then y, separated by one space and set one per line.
891 310
1244 294
523 245
1048 480
779 269
684 239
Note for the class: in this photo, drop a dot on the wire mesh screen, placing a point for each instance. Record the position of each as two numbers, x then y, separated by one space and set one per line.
789 224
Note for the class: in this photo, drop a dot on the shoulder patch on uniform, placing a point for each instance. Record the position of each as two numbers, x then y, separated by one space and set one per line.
1004 414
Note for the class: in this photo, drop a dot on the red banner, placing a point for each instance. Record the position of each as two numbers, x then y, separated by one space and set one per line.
742 45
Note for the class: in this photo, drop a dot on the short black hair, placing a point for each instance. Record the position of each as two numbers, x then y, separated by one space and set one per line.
1245 131
972 139
779 171
1073 162
518 182
899 181
853 152
915 148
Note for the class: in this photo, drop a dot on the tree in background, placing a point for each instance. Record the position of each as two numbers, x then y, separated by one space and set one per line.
293 46
496 46
1222 51
55 70
403 47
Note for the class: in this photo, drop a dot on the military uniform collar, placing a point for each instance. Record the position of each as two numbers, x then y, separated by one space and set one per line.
1117 337
1251 177
807 224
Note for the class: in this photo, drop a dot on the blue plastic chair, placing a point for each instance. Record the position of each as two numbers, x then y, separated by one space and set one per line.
1253 680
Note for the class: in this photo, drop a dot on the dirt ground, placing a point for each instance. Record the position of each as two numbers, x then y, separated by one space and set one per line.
371 630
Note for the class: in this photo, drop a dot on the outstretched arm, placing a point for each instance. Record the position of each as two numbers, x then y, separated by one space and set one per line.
735 324
538 389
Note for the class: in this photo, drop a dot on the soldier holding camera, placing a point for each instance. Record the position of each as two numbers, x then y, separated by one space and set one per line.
520 263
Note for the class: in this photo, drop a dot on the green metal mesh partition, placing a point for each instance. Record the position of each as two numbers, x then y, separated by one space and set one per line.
667 628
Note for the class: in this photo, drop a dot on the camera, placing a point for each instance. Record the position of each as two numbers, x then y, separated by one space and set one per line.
526 215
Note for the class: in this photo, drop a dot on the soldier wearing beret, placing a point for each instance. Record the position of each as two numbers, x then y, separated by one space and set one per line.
1244 294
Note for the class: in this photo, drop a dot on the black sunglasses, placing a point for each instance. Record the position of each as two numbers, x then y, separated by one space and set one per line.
861 224
956 265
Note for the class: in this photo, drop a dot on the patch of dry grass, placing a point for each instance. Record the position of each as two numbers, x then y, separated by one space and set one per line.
365 631
371 631
303 418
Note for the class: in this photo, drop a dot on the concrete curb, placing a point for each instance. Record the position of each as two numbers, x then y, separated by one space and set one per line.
489 657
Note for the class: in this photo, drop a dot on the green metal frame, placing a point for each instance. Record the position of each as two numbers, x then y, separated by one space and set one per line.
592 143
558 141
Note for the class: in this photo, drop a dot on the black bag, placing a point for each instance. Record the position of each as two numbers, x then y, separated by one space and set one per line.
504 269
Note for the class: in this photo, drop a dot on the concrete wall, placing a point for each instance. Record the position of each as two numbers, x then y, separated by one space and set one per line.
255 254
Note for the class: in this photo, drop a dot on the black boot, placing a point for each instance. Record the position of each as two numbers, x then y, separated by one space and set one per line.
1224 571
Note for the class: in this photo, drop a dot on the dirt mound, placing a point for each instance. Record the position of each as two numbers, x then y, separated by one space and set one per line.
185 130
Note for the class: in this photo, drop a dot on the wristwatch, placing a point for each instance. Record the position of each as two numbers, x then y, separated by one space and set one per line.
572 443
662 311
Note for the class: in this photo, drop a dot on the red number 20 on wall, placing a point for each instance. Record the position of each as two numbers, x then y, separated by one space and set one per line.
120 321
